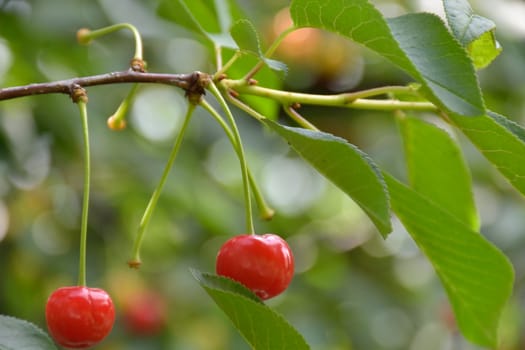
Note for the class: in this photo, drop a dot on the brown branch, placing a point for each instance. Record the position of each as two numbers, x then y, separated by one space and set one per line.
193 83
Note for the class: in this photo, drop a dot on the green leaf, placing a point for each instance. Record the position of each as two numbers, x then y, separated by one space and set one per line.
263 328
501 141
418 43
212 23
201 17
475 32
477 277
16 334
246 37
227 13
484 50
437 169
465 24
226 284
195 15
266 77
344 165
515 128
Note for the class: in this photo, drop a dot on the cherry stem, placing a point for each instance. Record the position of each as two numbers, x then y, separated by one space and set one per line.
135 261
357 100
85 202
231 61
120 114
265 211
299 119
239 150
88 35
244 107
218 58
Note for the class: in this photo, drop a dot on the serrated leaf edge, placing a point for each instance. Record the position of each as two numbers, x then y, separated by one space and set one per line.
33 326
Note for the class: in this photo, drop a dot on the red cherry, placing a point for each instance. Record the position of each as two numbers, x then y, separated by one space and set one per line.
263 263
79 317
145 313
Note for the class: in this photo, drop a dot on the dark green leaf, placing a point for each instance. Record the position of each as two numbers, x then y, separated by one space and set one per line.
513 127
477 277
418 43
437 169
501 141
16 334
474 32
226 284
263 328
346 166
465 24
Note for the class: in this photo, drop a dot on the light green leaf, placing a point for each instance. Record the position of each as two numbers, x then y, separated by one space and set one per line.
246 37
263 328
438 171
195 15
501 141
484 50
474 32
266 77
418 43
344 165
227 13
211 22
477 277
16 334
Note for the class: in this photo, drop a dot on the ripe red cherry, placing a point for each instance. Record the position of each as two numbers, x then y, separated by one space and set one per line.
263 263
145 313
79 317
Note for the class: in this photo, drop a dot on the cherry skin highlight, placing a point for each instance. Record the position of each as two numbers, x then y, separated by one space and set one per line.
262 263
79 317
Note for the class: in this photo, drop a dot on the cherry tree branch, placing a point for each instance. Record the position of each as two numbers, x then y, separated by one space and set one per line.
195 84
192 83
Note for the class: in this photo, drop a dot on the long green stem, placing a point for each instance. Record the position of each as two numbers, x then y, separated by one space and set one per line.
218 58
85 201
239 150
348 100
244 107
265 211
299 119
88 35
271 50
135 261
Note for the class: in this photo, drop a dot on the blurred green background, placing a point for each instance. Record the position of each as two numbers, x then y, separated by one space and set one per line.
352 289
